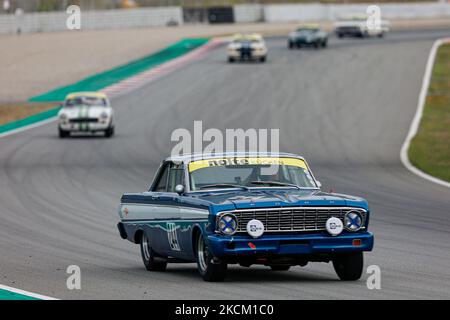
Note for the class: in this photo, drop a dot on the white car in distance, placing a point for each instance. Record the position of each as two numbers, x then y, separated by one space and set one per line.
87 112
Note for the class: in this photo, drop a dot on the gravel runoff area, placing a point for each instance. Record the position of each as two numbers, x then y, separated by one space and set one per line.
31 64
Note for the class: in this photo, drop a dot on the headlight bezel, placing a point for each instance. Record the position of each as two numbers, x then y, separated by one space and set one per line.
104 115
222 219
362 217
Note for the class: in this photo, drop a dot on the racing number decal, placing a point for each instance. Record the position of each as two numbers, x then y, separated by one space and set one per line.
172 236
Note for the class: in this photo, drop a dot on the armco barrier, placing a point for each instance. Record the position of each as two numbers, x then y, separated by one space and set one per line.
331 12
220 15
248 13
101 19
161 16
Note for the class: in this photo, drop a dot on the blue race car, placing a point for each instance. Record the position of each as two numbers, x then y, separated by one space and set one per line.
244 209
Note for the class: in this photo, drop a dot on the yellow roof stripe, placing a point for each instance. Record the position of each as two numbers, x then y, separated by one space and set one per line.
200 164
86 94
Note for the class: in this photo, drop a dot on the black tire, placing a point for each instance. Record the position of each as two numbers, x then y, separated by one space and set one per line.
209 270
109 132
290 45
325 43
349 266
151 261
381 35
230 60
316 45
280 268
262 59
63 133
340 35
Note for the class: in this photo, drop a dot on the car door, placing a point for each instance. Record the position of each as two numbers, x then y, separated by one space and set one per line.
179 230
168 211
164 210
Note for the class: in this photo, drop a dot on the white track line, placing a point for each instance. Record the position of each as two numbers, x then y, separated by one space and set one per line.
28 127
26 293
418 116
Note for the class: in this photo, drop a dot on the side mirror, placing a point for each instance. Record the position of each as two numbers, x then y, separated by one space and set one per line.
319 184
179 188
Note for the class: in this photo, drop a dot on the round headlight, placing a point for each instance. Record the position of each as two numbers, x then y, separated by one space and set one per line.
104 115
63 116
227 224
353 221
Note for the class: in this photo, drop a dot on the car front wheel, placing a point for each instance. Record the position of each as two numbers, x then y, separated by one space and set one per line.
209 270
349 266
63 133
151 261
109 132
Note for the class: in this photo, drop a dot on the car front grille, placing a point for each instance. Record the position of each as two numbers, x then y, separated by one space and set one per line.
298 219
83 120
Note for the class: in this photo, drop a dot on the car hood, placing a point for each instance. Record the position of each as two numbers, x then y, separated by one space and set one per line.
84 112
261 198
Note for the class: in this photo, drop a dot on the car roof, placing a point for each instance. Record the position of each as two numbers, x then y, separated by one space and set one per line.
247 37
186 158
92 94
308 26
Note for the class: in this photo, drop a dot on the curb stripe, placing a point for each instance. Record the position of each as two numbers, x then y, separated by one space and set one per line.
28 294
418 117
148 76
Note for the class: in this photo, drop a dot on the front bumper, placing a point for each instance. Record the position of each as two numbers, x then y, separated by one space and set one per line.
298 244
85 126
354 32
302 41
247 54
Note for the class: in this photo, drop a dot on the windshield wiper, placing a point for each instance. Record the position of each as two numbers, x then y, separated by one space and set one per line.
224 185
276 183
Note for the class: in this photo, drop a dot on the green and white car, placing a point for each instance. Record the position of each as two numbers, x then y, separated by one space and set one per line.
311 36
86 112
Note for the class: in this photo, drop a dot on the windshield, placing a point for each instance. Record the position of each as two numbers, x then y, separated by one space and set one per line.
86 101
306 30
245 41
250 172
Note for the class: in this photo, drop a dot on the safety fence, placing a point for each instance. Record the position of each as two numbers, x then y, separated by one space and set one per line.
241 13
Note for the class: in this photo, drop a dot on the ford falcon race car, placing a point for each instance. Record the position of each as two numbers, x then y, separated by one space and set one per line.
356 26
86 112
244 209
247 47
308 36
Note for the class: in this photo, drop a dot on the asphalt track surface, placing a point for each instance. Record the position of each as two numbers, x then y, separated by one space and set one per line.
347 109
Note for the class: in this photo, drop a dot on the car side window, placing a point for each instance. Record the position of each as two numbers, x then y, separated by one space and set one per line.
176 175
161 185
